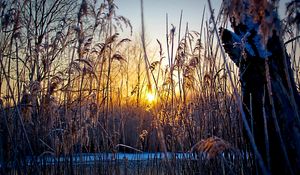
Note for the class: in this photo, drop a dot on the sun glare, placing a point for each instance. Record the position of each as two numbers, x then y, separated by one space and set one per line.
150 97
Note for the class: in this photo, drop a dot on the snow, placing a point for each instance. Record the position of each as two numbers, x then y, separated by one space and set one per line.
94 158
242 43
90 158
263 53
241 40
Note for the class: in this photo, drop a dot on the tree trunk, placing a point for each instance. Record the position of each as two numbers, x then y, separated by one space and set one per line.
268 91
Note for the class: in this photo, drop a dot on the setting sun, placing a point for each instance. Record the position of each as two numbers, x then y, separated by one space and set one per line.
150 97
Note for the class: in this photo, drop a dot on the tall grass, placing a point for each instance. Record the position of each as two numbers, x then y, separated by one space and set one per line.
71 85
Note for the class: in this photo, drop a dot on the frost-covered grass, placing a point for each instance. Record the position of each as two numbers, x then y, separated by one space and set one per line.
71 96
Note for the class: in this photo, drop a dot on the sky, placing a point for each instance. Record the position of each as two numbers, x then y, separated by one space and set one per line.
155 14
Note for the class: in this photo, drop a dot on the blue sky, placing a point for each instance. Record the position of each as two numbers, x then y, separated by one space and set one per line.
155 14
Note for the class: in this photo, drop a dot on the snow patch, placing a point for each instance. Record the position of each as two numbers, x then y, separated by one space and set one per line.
241 41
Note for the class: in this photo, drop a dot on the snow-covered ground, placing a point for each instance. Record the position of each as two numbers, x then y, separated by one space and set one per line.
120 158
90 158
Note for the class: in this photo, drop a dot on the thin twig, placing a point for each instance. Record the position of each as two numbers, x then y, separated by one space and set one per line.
266 131
144 46
291 40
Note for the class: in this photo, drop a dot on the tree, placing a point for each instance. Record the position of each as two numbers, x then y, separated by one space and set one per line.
269 92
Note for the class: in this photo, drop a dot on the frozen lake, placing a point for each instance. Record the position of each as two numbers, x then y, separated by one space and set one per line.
90 158
130 163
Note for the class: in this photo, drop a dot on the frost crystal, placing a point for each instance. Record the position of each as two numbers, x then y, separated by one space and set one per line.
241 40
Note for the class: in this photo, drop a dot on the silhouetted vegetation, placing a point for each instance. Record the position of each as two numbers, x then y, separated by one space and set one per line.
72 87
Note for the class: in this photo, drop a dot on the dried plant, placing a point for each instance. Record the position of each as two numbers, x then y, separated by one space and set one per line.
70 84
211 147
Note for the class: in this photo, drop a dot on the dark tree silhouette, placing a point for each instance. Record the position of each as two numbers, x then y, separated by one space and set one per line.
269 93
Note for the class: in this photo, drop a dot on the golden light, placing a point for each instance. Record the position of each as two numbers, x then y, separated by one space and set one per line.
150 97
